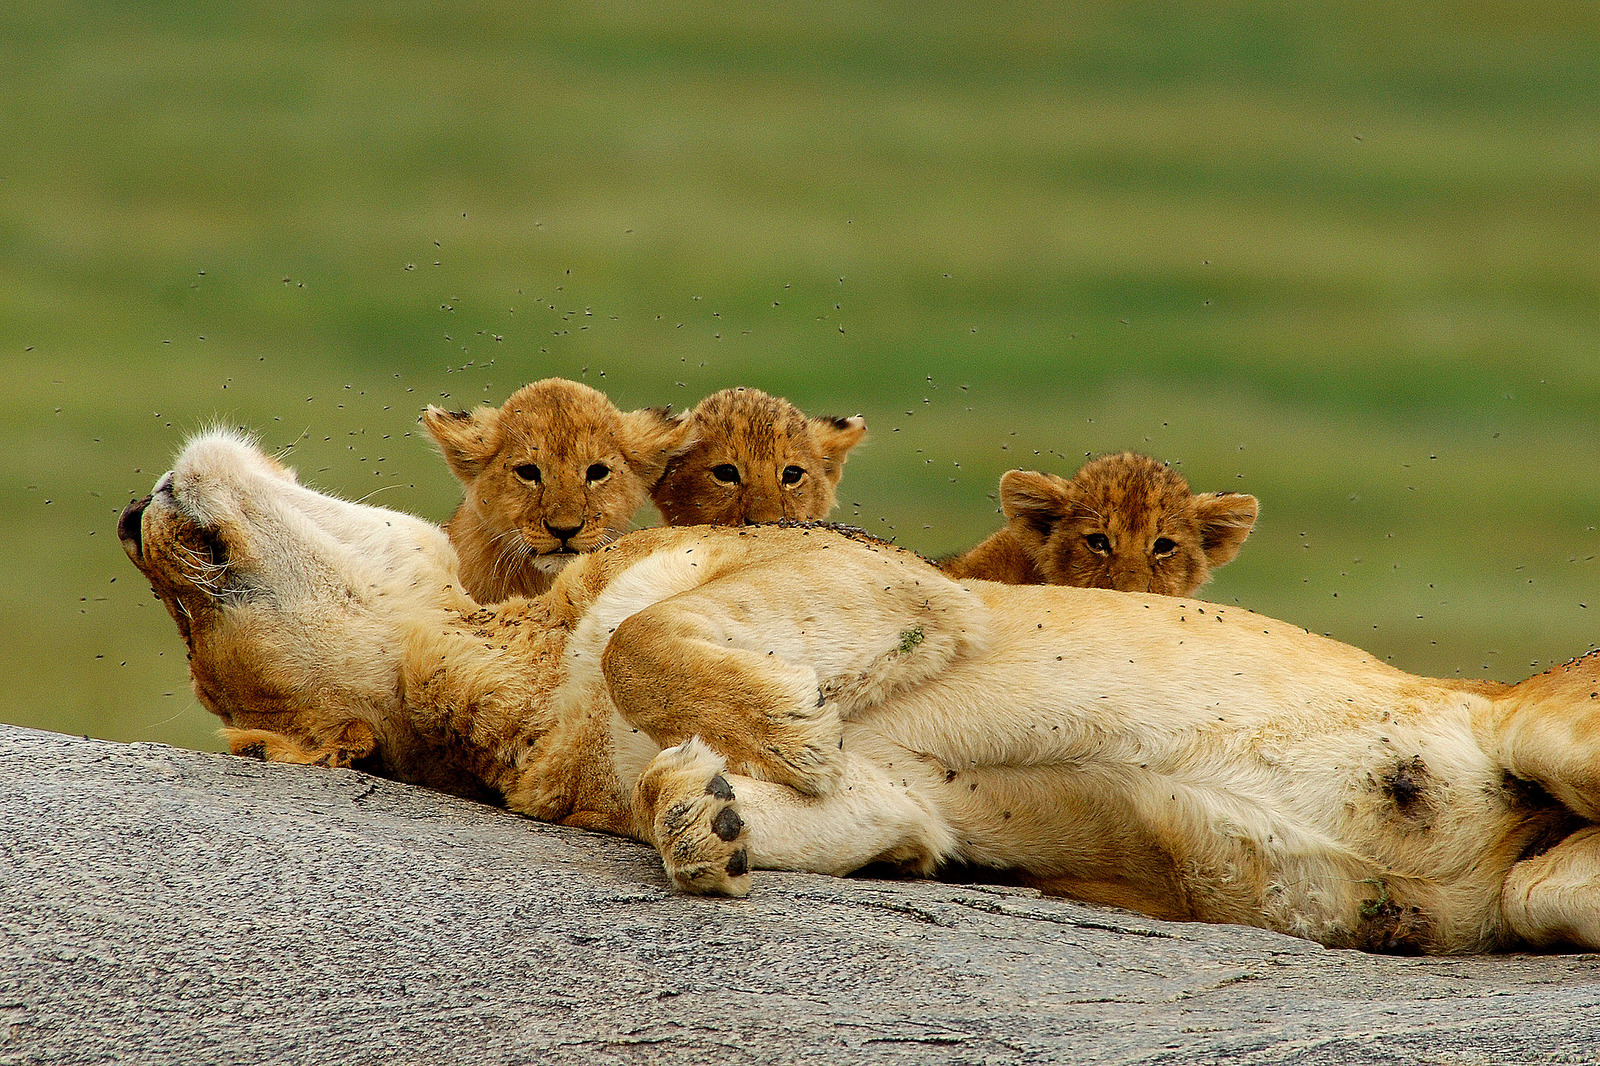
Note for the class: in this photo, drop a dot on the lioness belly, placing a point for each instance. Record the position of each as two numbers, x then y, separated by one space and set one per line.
1175 850
1130 838
1140 752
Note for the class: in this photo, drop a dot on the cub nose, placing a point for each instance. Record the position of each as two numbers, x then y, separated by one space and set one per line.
563 532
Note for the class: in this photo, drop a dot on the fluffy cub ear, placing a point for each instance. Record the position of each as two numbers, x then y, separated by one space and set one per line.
354 740
653 437
1226 518
468 439
1034 498
834 438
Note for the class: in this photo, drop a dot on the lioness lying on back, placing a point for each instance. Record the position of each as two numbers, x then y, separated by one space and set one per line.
855 705
1124 522
757 458
554 471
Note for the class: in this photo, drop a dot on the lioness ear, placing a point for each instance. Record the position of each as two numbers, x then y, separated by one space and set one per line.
834 438
1226 518
467 439
1035 498
353 741
653 437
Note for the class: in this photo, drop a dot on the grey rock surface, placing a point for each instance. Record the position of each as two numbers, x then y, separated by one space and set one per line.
167 906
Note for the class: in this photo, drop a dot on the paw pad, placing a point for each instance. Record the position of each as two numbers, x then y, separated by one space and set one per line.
727 823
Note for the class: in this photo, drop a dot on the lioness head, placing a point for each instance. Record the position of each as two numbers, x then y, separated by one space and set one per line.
289 600
758 459
554 471
1125 522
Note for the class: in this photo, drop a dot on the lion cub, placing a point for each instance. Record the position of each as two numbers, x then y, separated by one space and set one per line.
1124 522
758 458
554 471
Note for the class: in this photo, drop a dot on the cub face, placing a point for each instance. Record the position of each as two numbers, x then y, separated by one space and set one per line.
554 471
758 458
1125 522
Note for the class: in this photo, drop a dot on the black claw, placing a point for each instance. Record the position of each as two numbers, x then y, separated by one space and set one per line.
739 865
727 823
254 751
821 699
719 787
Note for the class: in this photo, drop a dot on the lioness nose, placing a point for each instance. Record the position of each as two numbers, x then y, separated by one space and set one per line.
563 532
128 524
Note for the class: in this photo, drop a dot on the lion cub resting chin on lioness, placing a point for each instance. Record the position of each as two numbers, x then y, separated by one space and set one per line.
557 471
553 472
756 458
1124 522
786 697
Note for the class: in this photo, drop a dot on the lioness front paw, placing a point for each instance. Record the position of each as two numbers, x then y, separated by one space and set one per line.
698 830
800 748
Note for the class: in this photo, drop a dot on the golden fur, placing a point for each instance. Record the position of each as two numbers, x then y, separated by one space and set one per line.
553 472
780 697
1124 522
757 458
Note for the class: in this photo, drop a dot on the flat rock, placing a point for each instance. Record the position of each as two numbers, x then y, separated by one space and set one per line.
167 906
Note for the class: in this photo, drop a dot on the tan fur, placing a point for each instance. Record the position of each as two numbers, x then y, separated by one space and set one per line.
758 458
844 703
1124 522
553 472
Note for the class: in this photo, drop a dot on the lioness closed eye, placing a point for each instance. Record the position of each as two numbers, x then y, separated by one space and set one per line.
790 698
757 458
553 472
1124 522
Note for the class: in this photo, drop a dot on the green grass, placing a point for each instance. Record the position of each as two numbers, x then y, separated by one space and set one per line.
1337 255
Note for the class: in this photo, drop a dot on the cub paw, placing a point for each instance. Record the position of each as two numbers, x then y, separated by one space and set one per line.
696 823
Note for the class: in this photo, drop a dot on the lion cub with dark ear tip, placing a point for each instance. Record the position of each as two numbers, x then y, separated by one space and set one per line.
1124 522
554 471
758 458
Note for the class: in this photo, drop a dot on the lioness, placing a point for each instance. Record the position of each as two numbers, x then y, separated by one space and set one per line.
553 472
756 458
1124 522
1162 754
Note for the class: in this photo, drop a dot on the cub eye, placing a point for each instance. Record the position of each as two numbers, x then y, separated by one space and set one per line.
598 472
726 473
1098 543
527 472
1163 547
792 475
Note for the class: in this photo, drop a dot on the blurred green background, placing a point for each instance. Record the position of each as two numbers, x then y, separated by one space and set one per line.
1341 256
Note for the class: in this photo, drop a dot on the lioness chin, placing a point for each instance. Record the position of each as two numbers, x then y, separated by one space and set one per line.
792 698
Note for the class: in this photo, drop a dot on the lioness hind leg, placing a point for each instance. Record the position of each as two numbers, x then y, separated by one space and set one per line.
1547 729
686 805
676 671
1554 898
